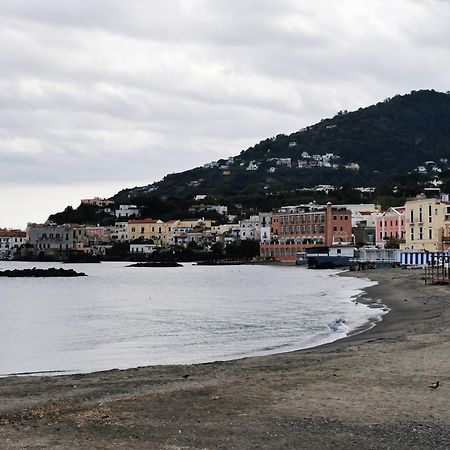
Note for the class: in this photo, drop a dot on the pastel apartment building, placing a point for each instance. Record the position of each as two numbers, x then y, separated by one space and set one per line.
427 222
296 228
390 224
150 230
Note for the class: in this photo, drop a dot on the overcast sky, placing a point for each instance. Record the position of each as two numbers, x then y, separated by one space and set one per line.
100 95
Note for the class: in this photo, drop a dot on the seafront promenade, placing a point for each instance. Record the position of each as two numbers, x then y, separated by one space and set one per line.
370 390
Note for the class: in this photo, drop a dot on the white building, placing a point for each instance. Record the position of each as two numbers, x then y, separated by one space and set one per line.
286 162
252 166
143 248
265 222
11 241
120 231
249 228
126 211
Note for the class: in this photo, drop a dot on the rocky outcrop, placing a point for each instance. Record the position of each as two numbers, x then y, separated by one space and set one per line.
40 273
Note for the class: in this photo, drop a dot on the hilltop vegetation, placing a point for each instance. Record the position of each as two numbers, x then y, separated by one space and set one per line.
382 146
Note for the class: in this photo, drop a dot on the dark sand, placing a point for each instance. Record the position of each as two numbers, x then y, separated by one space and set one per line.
369 390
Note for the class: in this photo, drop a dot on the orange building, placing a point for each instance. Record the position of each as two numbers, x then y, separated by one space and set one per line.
295 229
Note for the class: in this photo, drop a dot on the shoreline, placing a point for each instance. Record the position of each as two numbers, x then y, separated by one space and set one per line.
367 390
316 341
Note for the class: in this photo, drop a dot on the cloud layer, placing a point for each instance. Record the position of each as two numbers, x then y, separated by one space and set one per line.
117 94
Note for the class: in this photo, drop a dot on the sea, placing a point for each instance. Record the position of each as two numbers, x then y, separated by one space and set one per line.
123 317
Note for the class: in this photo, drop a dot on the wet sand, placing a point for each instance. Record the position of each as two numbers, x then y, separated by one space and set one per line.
370 390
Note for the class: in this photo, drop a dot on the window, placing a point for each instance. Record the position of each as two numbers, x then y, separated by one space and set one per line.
412 216
430 233
420 215
420 233
334 228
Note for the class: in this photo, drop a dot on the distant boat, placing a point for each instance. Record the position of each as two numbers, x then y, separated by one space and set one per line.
330 257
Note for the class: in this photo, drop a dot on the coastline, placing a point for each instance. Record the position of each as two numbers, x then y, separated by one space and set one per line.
367 390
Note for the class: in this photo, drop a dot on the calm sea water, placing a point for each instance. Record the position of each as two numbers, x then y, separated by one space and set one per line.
121 317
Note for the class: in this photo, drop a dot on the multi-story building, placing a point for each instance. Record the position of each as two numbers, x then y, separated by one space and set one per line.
249 228
299 227
390 224
120 232
427 220
11 241
150 230
265 225
126 211
97 201
51 238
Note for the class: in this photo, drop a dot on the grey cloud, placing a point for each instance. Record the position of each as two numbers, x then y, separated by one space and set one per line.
112 91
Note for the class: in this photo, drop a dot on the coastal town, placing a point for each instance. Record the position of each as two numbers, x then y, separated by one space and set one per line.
422 224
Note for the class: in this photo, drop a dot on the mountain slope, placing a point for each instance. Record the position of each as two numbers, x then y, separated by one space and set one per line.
399 146
387 139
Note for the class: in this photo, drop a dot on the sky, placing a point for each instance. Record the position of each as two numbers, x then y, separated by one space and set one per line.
96 96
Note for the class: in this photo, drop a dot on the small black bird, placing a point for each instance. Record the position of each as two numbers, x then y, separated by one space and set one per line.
434 385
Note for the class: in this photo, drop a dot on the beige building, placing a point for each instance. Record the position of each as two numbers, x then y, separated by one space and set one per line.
426 220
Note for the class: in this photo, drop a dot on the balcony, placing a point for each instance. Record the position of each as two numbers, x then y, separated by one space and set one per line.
446 239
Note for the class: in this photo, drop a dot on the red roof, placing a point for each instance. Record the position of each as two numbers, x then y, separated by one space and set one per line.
12 233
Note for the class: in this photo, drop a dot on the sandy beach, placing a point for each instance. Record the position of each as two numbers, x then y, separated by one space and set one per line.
369 390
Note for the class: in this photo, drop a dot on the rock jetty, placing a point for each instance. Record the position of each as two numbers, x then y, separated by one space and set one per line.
40 273
156 264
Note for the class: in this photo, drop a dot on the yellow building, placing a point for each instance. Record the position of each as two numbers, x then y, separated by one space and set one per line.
79 234
426 219
150 229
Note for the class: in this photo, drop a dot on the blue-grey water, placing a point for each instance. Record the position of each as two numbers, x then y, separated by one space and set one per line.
122 317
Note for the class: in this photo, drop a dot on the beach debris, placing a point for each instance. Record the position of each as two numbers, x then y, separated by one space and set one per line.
186 375
434 385
216 397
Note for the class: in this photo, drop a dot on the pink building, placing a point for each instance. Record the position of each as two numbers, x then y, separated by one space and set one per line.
390 224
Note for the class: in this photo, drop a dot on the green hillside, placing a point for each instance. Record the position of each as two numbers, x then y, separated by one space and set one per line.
388 141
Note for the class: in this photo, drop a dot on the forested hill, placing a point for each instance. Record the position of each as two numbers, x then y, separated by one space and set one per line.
399 146
390 138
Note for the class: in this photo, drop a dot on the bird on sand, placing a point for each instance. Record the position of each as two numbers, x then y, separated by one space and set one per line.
434 385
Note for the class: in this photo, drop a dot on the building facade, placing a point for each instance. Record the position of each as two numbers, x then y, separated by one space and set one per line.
296 228
49 239
390 224
427 220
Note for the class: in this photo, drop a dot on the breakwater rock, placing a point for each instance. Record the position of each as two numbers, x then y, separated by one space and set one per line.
40 273
156 264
